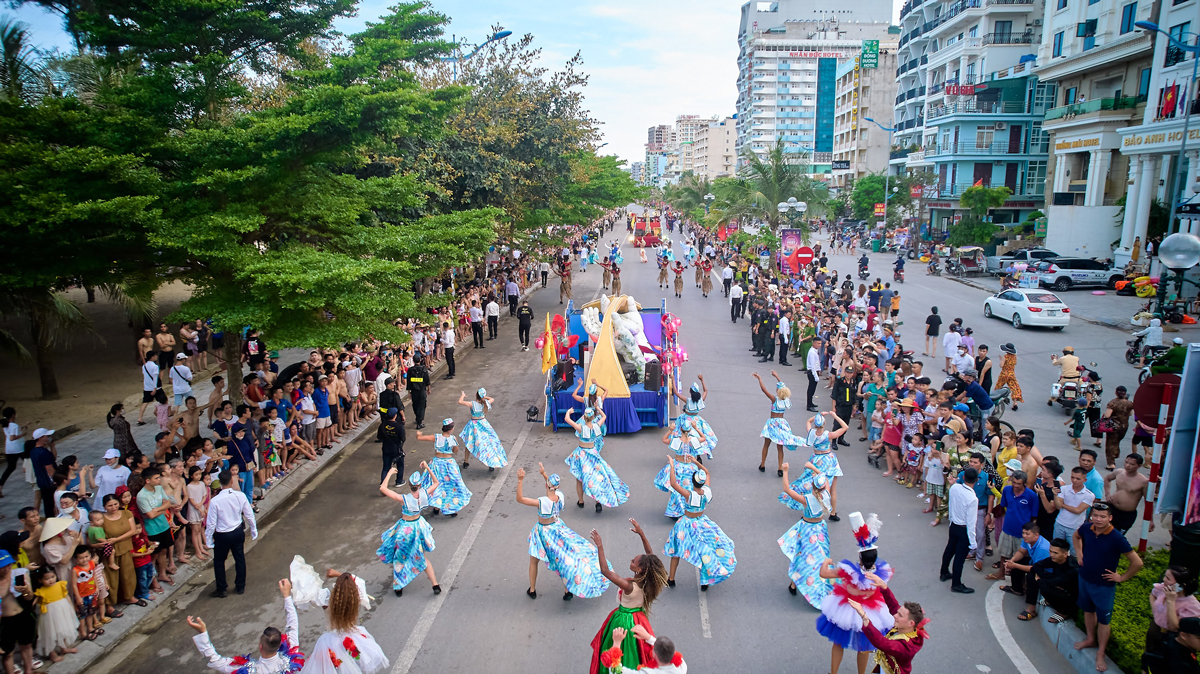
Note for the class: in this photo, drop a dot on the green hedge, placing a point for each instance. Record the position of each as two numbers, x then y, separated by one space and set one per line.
1131 612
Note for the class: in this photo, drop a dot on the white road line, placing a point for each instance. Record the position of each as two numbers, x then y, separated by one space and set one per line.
415 640
705 625
995 616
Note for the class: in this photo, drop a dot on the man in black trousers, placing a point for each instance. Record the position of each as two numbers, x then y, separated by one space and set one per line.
962 505
812 365
418 389
524 322
225 532
391 434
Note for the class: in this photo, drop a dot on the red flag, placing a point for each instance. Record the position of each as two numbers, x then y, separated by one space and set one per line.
793 261
978 183
1170 96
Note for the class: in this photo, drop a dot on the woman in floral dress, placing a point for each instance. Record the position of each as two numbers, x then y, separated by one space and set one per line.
406 542
565 552
1008 374
593 475
452 494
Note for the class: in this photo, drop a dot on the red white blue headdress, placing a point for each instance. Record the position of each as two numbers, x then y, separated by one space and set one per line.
866 533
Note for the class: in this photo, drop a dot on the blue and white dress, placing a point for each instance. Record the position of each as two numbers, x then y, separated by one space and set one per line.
599 480
691 411
683 475
806 544
778 430
700 542
451 494
406 542
480 439
565 552
823 457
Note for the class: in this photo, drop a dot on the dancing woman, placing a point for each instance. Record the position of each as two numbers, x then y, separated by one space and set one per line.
839 621
635 597
662 270
695 537
686 444
692 406
452 494
678 269
595 395
806 544
478 436
347 648
406 542
564 551
691 258
777 429
823 457
706 268
593 475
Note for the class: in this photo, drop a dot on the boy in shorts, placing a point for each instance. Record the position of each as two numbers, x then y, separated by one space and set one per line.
83 593
1077 421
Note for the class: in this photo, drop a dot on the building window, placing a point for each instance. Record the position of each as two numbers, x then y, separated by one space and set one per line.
1175 54
985 135
1128 16
1058 44
1089 42
1062 4
1035 178
1144 84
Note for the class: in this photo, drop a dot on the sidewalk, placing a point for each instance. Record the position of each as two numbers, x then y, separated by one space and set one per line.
192 579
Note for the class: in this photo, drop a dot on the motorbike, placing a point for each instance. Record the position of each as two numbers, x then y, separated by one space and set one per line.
1067 393
953 266
1134 352
933 269
864 273
898 275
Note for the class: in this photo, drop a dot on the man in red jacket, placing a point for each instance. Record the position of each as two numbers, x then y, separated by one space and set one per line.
899 646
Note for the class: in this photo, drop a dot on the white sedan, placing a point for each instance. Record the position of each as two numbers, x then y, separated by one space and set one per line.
1028 307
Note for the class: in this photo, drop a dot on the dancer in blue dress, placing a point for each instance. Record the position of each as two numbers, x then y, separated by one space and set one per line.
823 457
859 582
806 544
684 444
594 399
406 542
693 404
565 552
695 537
777 429
452 494
593 475
478 436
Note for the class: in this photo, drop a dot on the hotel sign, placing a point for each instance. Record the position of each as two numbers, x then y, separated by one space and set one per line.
1160 137
815 55
1076 144
960 89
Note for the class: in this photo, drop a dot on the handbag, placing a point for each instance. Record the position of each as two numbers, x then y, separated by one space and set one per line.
1104 426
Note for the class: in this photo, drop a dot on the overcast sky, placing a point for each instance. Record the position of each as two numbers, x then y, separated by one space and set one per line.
649 60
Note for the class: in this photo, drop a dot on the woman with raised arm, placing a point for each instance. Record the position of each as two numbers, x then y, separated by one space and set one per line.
451 494
406 542
777 429
695 537
806 544
478 436
564 551
823 457
859 582
636 595
347 648
593 475
693 404
684 444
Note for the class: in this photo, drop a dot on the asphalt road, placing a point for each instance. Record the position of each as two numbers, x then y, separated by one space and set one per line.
750 622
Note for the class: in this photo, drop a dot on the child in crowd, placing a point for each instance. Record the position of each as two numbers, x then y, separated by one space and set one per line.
162 411
197 509
57 623
83 592
143 566
1077 421
935 481
914 459
98 539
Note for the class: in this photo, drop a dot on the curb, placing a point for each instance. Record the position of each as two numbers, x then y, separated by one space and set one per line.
192 579
1063 636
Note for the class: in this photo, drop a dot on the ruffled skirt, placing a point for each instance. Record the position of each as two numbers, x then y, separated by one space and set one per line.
842 625
634 652
600 481
58 626
569 555
779 431
452 494
683 475
700 542
404 546
706 431
806 545
353 652
827 462
480 439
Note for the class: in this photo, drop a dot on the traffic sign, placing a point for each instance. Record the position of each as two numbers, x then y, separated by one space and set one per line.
804 255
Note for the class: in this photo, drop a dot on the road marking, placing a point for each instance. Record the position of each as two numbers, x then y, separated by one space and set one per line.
412 647
995 616
705 625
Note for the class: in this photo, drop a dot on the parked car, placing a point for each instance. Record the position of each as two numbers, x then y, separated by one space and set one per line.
1028 307
998 263
1064 273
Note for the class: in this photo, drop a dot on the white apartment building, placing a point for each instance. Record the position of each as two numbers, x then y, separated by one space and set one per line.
686 128
637 171
715 155
1101 81
860 148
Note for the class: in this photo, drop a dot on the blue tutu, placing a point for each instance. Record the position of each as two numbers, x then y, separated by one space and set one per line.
480 439
700 542
569 555
599 480
827 463
779 431
806 544
451 495
685 447
683 475
404 547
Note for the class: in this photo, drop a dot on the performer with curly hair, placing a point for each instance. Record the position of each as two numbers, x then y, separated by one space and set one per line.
347 648
636 595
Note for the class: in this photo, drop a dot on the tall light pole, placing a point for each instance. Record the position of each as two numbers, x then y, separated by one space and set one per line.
887 174
708 199
459 58
1187 113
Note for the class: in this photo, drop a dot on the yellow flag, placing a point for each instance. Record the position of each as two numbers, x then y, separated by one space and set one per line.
549 359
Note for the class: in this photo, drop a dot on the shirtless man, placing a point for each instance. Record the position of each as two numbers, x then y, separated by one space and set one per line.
1025 452
166 347
216 397
190 417
368 401
1124 490
145 345
173 484
18 626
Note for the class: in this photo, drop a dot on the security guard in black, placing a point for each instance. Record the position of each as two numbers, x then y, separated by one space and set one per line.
418 389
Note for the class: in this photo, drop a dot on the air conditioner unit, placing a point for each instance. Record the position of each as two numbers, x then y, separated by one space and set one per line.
1000 126
1037 22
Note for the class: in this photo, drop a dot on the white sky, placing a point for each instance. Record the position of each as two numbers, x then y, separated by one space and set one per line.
649 61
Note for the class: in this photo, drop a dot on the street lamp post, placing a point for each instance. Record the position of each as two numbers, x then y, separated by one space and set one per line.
459 58
708 199
1187 116
1178 252
887 174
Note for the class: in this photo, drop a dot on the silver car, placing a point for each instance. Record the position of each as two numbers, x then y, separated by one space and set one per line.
1064 273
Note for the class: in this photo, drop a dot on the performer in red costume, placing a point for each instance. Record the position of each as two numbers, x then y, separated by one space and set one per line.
895 650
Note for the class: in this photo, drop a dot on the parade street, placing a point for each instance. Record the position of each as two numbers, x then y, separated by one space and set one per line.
485 622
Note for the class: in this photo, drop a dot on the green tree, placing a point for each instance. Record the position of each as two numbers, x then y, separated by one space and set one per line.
979 199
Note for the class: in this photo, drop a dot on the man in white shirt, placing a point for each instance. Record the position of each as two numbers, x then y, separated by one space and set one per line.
476 316
181 379
278 652
225 532
110 476
493 318
544 268
513 291
727 278
963 507
448 342
1073 502
150 383
735 300
785 336
812 365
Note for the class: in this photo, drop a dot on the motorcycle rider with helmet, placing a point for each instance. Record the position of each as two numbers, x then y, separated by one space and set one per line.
1068 362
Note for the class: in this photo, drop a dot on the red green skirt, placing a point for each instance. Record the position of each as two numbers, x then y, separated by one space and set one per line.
634 652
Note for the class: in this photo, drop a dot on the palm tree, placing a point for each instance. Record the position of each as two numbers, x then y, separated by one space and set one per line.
21 66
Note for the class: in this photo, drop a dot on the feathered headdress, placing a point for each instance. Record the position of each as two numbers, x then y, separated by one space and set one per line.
866 533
